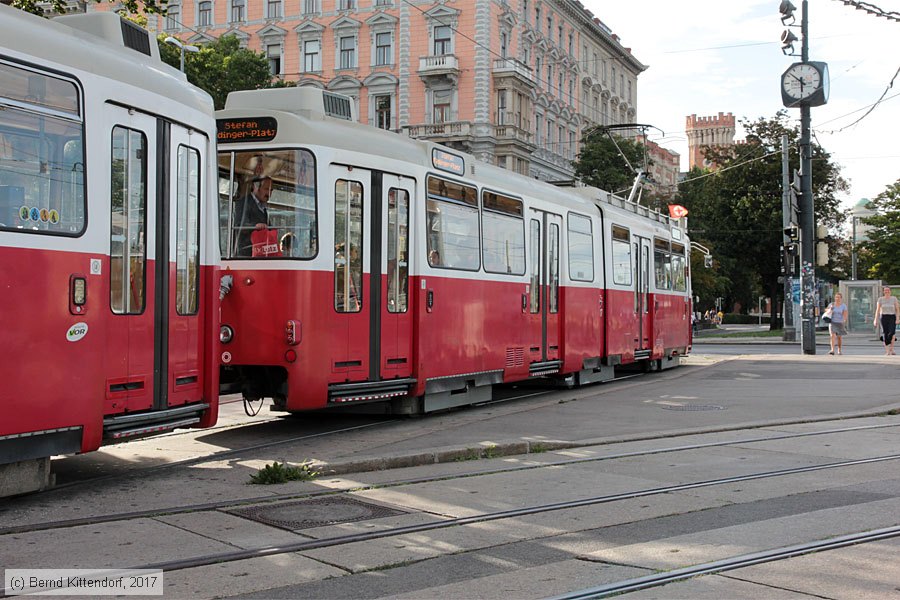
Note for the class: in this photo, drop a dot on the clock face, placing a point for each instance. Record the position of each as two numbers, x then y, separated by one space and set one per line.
801 81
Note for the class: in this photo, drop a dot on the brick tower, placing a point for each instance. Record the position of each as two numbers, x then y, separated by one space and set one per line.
708 131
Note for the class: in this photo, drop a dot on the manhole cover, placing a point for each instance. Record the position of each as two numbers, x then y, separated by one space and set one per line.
306 514
692 407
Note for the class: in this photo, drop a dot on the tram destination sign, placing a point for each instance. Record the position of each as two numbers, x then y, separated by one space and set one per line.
259 129
445 161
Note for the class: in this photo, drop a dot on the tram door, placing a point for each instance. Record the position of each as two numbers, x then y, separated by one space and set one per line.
372 336
642 293
186 158
543 297
154 338
131 270
392 319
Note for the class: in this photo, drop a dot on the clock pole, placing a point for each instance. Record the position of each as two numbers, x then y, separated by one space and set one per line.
807 214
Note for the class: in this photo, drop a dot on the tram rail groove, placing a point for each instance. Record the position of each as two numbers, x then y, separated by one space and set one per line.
264 551
268 499
730 564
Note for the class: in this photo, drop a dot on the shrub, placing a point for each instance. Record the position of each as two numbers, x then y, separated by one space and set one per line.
282 473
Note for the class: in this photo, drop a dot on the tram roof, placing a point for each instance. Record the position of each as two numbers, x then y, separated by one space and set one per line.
302 119
89 43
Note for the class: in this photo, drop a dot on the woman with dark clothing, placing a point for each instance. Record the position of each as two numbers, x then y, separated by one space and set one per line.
888 308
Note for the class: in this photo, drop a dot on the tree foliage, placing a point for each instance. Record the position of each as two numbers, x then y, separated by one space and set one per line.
600 164
882 249
737 211
221 66
135 7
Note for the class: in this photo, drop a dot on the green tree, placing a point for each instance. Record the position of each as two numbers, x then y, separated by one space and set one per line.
883 246
736 211
135 7
221 66
600 164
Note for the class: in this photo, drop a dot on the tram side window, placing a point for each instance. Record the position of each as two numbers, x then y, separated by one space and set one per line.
128 246
504 234
398 250
42 179
535 283
581 248
187 239
348 219
267 204
621 251
662 264
679 278
452 225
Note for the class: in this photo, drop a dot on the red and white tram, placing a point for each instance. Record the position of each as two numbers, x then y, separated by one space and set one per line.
108 242
385 268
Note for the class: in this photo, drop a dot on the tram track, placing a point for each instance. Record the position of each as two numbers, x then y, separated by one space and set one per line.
730 564
340 540
234 503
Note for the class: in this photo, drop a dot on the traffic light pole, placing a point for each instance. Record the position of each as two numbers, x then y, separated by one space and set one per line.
807 215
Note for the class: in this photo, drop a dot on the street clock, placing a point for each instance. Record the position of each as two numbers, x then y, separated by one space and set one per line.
805 84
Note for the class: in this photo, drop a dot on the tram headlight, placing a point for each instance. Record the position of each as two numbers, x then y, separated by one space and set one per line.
226 334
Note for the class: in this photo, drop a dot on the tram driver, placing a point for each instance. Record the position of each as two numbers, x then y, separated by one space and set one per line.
251 213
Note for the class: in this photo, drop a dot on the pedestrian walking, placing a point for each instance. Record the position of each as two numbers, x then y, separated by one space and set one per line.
837 310
887 309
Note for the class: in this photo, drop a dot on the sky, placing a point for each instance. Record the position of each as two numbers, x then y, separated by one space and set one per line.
706 57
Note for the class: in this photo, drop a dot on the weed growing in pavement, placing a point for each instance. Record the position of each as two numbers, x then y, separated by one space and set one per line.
491 451
537 448
470 454
282 473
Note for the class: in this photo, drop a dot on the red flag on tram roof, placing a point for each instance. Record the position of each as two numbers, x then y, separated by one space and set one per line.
676 211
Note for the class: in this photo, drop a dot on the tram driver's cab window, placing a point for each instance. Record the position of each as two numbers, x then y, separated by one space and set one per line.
267 204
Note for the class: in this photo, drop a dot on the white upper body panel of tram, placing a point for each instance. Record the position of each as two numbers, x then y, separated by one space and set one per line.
303 120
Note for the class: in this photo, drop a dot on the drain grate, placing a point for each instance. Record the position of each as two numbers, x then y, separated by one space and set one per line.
306 514
692 407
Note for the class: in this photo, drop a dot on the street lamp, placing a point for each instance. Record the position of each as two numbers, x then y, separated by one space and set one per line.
182 48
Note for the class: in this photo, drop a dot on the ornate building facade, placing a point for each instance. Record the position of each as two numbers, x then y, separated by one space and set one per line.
513 82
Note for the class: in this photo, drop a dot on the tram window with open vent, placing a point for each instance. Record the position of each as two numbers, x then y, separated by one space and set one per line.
662 264
503 236
452 225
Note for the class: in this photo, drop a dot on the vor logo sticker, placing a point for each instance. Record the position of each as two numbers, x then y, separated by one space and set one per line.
76 332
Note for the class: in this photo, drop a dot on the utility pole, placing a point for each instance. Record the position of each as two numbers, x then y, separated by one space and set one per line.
804 84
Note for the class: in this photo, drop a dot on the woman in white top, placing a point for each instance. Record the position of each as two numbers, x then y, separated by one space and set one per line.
839 321
888 308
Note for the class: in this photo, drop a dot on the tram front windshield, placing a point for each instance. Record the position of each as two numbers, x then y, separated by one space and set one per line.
267 204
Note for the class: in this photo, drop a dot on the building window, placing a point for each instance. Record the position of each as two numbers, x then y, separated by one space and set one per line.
629 93
504 40
273 53
525 9
383 2
537 17
311 60
348 52
571 43
559 86
550 27
237 10
309 7
346 4
383 51
273 9
173 17
442 106
560 36
204 14
502 118
442 40
383 112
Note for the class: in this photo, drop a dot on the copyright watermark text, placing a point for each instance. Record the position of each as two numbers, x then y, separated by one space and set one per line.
83 582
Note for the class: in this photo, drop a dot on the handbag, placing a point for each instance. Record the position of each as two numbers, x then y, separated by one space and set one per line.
826 316
265 242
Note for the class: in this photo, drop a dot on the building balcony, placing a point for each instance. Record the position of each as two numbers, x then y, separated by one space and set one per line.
444 66
440 132
510 127
510 67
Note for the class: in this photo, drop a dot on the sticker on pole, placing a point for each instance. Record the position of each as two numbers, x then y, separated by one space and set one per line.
76 332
